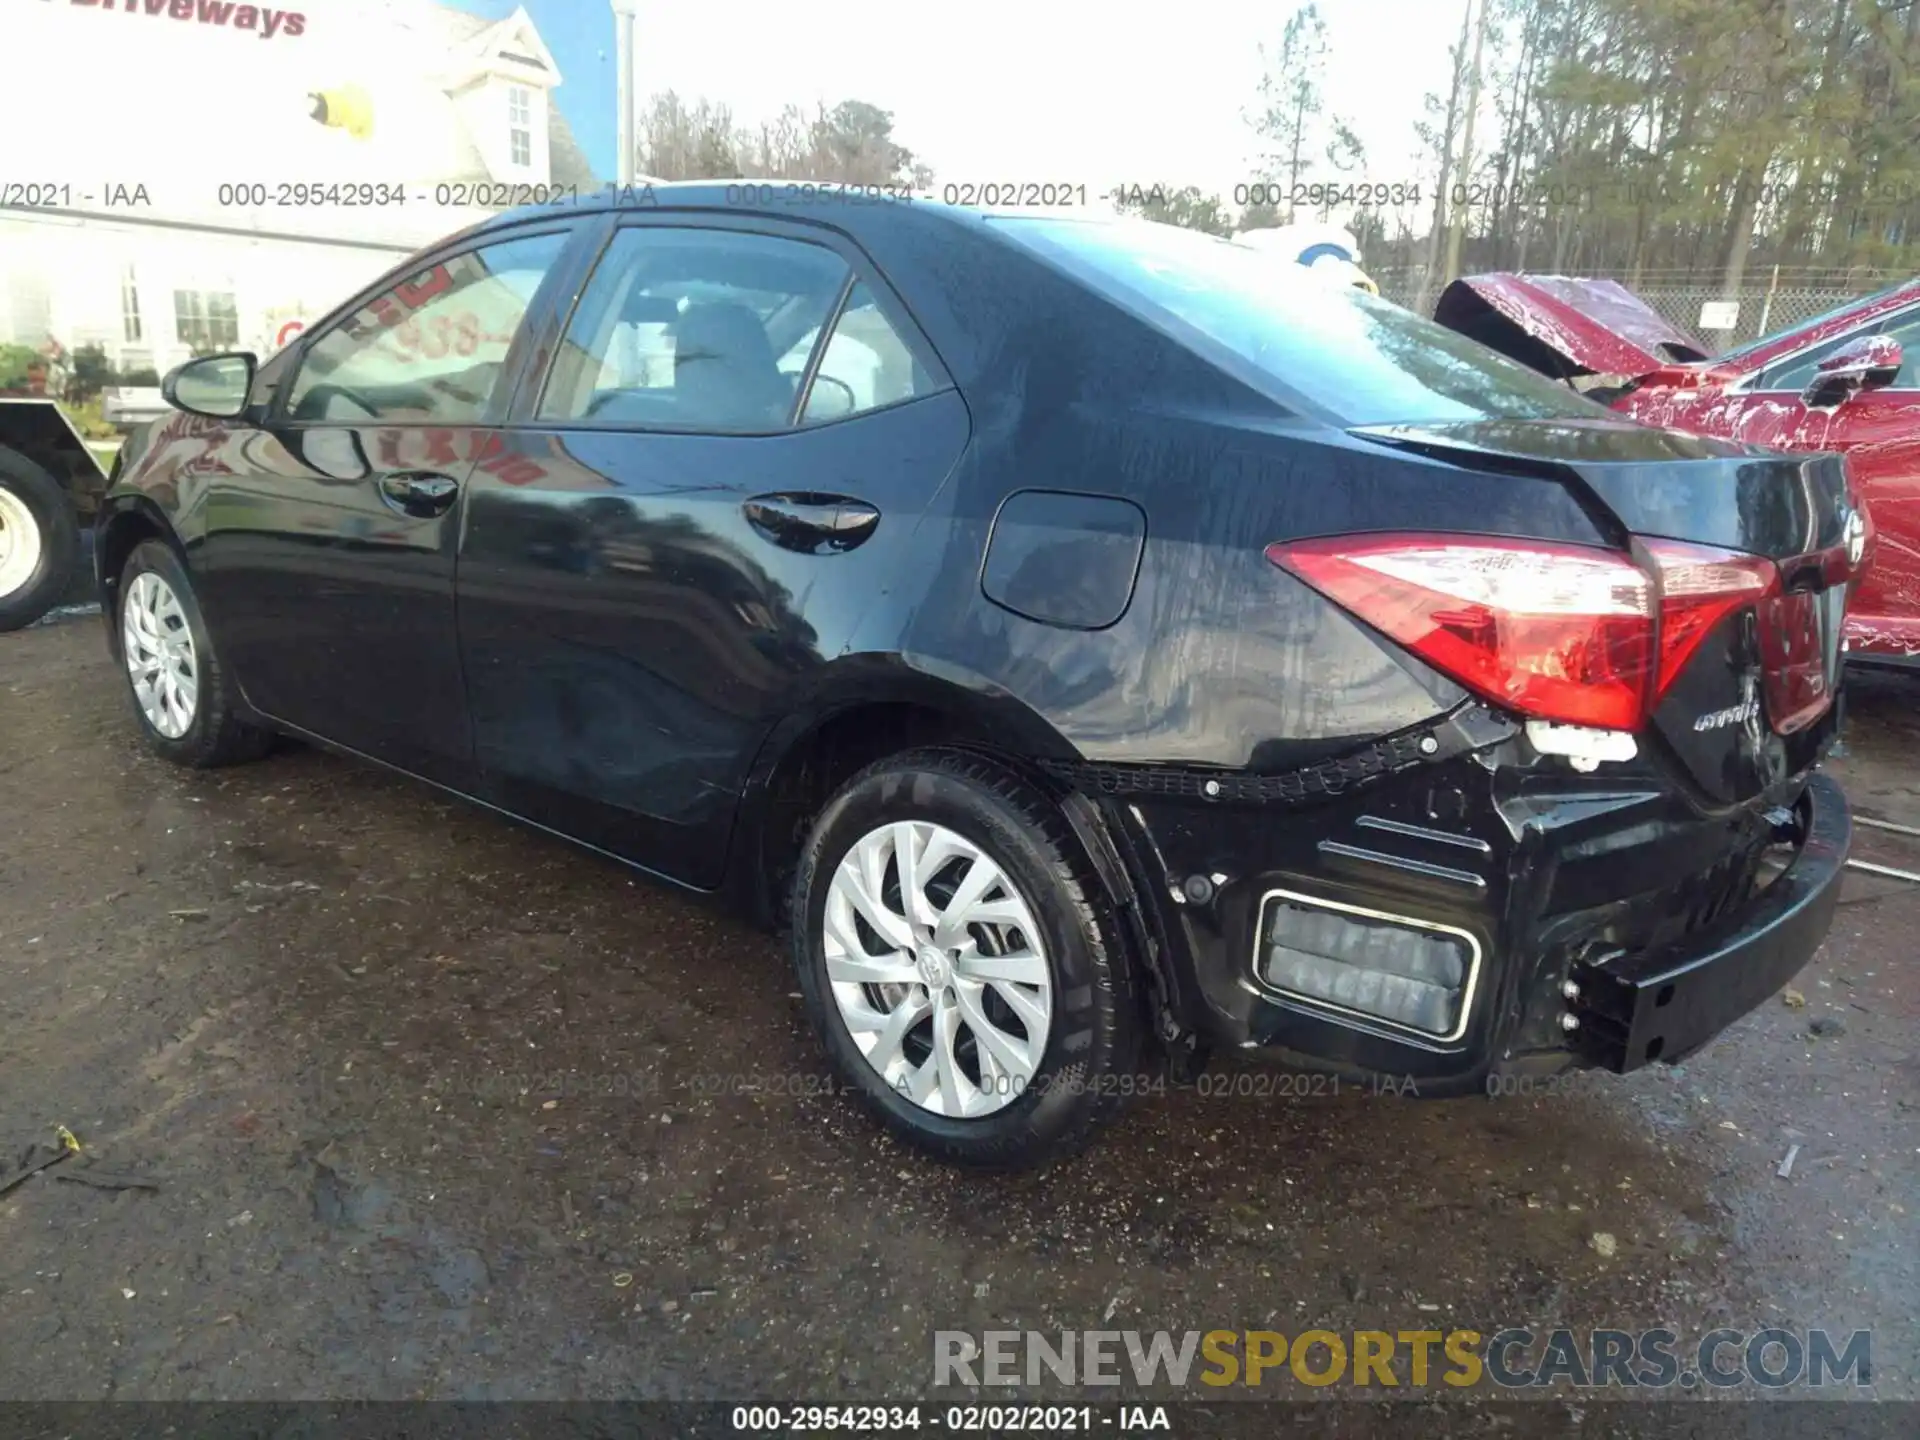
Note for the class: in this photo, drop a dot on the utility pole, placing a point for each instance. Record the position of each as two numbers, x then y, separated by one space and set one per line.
623 13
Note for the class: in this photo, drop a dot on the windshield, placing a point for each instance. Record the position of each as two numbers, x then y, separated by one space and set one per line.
1360 360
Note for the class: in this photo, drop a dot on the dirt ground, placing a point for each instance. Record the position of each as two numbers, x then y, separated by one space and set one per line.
425 1096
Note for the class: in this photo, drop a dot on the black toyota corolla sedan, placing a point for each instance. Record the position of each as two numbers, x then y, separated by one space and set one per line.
1086 638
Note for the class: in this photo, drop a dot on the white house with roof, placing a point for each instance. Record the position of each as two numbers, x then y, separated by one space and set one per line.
183 217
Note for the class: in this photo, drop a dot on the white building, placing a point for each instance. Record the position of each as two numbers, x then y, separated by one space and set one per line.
167 157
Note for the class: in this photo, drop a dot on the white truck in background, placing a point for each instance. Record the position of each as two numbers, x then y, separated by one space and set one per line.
50 485
125 406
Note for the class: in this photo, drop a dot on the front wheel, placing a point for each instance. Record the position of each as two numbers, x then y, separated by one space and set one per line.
181 695
962 964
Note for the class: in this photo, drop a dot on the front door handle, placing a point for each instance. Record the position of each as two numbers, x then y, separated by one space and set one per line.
423 494
812 524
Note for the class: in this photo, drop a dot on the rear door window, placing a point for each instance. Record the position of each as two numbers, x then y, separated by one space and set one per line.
867 365
1356 359
430 349
690 329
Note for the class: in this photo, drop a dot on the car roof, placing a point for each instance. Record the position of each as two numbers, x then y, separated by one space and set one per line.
861 211
851 207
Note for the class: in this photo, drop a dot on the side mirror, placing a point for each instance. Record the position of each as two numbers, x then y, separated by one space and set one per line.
216 386
1864 364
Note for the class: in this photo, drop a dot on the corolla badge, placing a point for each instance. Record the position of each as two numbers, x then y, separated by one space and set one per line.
1856 537
1733 715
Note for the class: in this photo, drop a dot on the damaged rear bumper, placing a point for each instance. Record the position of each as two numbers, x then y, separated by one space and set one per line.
1511 918
1634 1010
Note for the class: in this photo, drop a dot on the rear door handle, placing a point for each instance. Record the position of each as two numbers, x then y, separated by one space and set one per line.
811 523
422 494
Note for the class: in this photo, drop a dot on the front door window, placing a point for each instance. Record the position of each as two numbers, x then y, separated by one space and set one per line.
431 348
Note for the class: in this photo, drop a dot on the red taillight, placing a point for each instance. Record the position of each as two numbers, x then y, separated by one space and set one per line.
1699 587
1556 632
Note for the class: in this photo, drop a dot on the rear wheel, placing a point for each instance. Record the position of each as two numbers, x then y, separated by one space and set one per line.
181 695
39 541
961 963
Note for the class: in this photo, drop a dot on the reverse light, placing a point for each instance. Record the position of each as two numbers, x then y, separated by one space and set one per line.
1564 633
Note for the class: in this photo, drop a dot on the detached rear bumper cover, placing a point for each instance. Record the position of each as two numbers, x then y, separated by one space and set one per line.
1667 1004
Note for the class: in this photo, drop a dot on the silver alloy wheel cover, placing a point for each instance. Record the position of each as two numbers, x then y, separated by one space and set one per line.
161 661
916 1000
20 543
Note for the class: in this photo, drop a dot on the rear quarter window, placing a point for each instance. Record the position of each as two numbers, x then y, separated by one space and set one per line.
1355 359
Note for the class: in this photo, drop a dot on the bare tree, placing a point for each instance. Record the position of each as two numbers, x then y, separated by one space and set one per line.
851 143
1441 142
1458 227
1290 97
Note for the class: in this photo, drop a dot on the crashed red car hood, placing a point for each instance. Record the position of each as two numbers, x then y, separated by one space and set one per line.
1565 327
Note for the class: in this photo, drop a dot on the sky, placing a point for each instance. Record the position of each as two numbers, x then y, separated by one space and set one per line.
1014 90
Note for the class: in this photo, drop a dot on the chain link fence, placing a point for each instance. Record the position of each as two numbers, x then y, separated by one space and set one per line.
1762 312
1764 309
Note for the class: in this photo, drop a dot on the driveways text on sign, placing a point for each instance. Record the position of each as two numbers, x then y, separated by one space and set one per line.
261 20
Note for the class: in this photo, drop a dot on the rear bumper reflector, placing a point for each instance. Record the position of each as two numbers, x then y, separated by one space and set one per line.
1396 969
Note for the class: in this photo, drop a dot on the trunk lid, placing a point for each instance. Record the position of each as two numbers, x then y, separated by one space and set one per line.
1753 706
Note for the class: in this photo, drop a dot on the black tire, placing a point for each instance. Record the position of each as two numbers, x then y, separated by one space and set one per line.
1095 1035
50 509
217 735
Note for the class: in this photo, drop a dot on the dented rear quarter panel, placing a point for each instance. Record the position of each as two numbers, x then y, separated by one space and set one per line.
1219 657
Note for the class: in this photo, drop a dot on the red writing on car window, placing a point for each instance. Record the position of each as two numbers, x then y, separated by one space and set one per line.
418 291
393 308
435 337
440 445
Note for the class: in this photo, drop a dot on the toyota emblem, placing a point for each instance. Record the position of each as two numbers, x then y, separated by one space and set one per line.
1856 533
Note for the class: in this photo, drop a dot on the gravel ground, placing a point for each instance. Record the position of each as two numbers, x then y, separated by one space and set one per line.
425 1097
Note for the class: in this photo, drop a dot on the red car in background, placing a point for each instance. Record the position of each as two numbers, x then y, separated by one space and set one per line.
1847 381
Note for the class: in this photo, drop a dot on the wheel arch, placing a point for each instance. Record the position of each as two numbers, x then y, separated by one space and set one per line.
870 709
858 710
125 521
